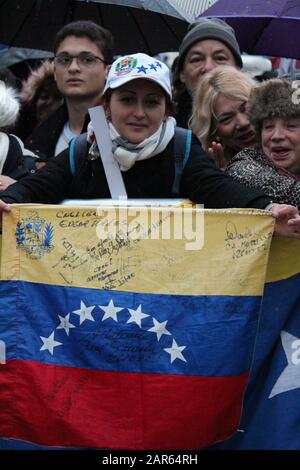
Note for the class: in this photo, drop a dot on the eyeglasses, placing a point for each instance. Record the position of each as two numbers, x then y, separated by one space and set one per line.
85 59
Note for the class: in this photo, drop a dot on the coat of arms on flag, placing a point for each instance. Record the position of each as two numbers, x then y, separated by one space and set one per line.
34 235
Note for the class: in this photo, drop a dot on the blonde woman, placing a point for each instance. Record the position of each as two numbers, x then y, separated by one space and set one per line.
219 117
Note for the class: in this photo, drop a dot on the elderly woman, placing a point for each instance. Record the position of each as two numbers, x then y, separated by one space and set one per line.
219 116
137 100
274 166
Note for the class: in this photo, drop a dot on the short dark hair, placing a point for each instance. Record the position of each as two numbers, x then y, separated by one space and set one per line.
97 34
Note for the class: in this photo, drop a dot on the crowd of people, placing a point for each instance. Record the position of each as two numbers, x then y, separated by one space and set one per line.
212 94
245 147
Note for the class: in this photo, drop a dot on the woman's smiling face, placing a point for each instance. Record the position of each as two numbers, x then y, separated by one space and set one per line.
232 123
137 109
280 139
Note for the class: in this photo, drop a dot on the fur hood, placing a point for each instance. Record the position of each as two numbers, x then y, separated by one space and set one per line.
9 106
273 98
42 77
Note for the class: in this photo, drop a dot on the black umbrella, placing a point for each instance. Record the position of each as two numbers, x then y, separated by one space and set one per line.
137 25
20 62
14 55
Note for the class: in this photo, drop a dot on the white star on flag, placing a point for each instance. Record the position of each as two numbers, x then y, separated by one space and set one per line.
175 352
49 343
84 312
110 311
65 324
159 328
289 378
136 316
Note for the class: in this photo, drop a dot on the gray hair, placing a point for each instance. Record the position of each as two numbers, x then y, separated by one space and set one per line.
9 105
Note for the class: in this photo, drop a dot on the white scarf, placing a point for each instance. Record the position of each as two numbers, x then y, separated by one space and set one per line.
127 153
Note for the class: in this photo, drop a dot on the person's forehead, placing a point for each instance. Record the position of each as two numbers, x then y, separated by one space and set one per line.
209 46
281 119
225 104
141 84
78 44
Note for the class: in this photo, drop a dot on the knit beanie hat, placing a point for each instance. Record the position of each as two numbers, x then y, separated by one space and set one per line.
210 28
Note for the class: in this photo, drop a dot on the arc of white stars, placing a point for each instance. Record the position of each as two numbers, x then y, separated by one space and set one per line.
136 316
65 324
84 312
49 343
175 352
159 328
110 311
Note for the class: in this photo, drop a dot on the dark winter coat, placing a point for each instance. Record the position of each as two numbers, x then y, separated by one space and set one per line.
17 165
44 138
252 168
201 182
184 107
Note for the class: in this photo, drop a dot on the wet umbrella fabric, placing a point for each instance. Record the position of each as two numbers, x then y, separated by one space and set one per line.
269 27
34 23
13 55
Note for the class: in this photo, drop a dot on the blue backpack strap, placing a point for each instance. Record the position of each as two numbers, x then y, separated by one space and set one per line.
77 152
72 155
182 148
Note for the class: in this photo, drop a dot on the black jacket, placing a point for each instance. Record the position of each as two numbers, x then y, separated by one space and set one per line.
184 107
17 165
201 182
44 138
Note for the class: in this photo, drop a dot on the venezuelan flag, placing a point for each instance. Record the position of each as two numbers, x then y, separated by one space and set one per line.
127 342
271 412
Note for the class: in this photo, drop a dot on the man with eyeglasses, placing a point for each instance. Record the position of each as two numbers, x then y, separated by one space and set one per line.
83 52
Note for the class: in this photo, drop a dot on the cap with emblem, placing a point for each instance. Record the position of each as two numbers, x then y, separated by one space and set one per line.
134 66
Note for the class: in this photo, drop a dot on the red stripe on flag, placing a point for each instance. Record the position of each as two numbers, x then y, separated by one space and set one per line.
73 407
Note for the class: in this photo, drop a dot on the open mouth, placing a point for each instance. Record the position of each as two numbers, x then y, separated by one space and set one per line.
280 153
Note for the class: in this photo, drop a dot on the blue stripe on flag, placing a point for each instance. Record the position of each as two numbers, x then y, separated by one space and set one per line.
139 337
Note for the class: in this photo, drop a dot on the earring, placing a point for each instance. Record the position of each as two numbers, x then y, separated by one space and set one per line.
218 139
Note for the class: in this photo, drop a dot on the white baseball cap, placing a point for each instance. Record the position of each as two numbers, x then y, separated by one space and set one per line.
131 67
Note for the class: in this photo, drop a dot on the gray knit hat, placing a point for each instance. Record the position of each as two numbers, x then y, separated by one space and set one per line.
210 28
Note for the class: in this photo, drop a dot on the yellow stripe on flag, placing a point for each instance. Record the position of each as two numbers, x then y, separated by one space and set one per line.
60 245
284 259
